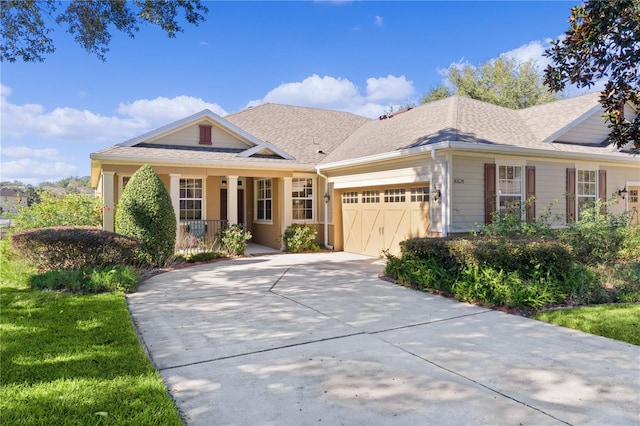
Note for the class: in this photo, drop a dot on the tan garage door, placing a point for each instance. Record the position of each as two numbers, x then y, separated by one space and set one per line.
377 219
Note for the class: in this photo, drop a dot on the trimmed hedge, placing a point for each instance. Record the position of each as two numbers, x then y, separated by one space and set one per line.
145 212
509 254
73 247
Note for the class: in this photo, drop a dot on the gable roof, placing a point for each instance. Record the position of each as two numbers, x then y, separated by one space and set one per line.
474 125
308 134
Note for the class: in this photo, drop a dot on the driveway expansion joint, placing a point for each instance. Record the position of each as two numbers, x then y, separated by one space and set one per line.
429 322
489 388
260 351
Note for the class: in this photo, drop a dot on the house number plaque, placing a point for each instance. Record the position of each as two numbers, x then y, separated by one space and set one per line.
458 180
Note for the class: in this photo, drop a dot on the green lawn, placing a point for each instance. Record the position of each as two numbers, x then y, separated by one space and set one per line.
619 322
70 359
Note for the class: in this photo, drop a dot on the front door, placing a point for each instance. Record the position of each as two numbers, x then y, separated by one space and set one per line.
223 205
634 205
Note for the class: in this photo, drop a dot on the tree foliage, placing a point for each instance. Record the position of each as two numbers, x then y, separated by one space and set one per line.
503 81
58 210
603 42
145 212
26 25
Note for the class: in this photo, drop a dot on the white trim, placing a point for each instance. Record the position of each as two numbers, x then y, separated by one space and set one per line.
226 163
204 194
192 119
261 147
470 147
121 185
255 201
573 124
314 194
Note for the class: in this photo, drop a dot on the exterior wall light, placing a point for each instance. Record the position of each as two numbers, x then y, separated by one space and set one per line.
623 192
327 197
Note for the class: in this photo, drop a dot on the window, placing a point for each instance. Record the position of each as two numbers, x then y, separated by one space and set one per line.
302 198
263 199
394 195
509 190
123 182
349 198
370 197
205 135
191 199
586 190
420 194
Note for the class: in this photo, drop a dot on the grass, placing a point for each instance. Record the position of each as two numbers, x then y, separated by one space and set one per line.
619 322
72 359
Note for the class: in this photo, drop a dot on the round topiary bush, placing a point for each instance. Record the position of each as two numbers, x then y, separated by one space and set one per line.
145 212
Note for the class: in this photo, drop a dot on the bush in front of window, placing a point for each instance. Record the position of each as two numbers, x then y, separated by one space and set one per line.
145 212
298 238
233 239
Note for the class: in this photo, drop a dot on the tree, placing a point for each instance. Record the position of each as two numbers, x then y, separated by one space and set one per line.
27 24
503 81
603 41
145 212
436 93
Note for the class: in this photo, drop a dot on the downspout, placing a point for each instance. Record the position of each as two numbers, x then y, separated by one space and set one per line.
326 211
444 199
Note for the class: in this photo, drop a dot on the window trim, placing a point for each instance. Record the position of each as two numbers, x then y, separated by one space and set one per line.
121 179
203 213
579 196
522 167
256 199
312 198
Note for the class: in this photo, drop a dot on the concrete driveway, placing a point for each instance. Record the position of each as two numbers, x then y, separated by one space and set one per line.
319 339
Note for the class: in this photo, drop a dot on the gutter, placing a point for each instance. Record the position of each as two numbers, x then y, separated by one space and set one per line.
326 211
444 196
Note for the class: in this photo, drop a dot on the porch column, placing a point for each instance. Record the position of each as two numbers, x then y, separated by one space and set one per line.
108 201
287 207
174 192
232 199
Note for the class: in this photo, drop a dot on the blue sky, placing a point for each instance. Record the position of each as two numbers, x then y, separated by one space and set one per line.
354 56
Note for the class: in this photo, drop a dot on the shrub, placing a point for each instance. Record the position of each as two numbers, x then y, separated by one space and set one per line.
298 238
71 247
234 239
88 280
145 212
59 210
202 256
524 254
600 238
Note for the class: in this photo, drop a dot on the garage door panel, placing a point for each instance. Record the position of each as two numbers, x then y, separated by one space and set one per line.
352 225
372 240
396 227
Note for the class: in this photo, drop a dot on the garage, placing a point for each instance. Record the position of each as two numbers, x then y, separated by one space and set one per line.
379 218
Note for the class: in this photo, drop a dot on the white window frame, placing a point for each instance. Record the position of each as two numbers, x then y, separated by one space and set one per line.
303 199
580 196
500 195
257 199
192 198
121 184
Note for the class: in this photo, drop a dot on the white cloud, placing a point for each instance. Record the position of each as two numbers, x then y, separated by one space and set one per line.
32 171
74 130
532 51
24 151
389 88
377 21
342 94
71 124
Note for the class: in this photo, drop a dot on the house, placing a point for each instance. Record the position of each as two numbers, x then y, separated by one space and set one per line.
366 184
11 198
